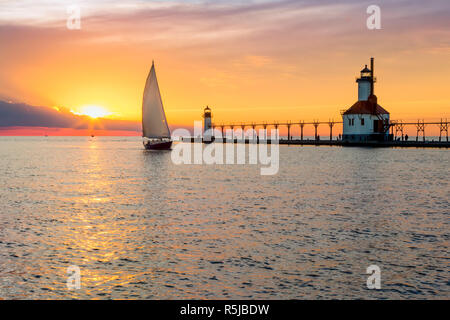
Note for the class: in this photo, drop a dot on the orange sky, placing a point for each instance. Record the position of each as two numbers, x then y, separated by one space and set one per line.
262 61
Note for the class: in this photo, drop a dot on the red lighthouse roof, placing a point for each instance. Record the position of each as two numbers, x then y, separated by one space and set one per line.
366 107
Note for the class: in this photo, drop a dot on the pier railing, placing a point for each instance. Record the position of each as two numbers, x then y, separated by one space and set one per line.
276 125
397 127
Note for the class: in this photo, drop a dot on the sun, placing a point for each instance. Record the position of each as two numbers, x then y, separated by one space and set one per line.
93 112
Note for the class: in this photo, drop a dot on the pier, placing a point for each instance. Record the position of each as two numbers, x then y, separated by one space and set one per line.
384 144
276 125
396 127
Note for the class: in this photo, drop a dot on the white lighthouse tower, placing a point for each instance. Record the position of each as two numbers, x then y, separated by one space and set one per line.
207 123
366 120
364 84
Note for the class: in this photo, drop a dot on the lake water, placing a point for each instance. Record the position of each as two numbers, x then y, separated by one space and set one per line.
139 226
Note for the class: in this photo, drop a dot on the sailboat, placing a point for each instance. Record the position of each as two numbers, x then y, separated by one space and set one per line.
155 131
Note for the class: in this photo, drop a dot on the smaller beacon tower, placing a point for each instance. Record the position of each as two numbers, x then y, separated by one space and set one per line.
207 123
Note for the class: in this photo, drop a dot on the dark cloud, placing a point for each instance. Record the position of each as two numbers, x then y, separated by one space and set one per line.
23 115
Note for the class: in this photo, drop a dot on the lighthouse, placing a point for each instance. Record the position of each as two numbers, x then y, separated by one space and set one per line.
366 120
207 123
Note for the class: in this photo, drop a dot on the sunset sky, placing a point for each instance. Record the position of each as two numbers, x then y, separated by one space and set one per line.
259 60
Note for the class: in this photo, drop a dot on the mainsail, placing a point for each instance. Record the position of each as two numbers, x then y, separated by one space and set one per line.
154 123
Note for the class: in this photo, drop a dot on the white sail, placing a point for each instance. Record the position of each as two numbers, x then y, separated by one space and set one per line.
154 123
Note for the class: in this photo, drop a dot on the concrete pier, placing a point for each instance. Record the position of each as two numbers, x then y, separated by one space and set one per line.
384 144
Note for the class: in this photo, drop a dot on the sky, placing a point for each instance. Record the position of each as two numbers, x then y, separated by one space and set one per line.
248 60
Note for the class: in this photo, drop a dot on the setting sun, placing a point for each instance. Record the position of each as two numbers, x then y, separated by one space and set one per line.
93 112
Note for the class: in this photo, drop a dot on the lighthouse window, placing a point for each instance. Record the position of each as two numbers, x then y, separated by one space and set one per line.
349 121
353 122
362 121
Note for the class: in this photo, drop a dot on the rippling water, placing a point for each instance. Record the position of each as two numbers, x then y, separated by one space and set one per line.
139 226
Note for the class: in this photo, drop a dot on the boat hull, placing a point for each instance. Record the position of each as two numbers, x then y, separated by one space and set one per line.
160 145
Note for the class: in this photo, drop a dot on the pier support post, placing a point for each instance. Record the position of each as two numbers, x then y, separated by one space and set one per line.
276 130
302 124
440 131
420 128
331 124
289 131
265 131
399 128
417 135
443 127
316 124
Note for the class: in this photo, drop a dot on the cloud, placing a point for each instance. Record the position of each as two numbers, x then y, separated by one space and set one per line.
212 26
23 115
